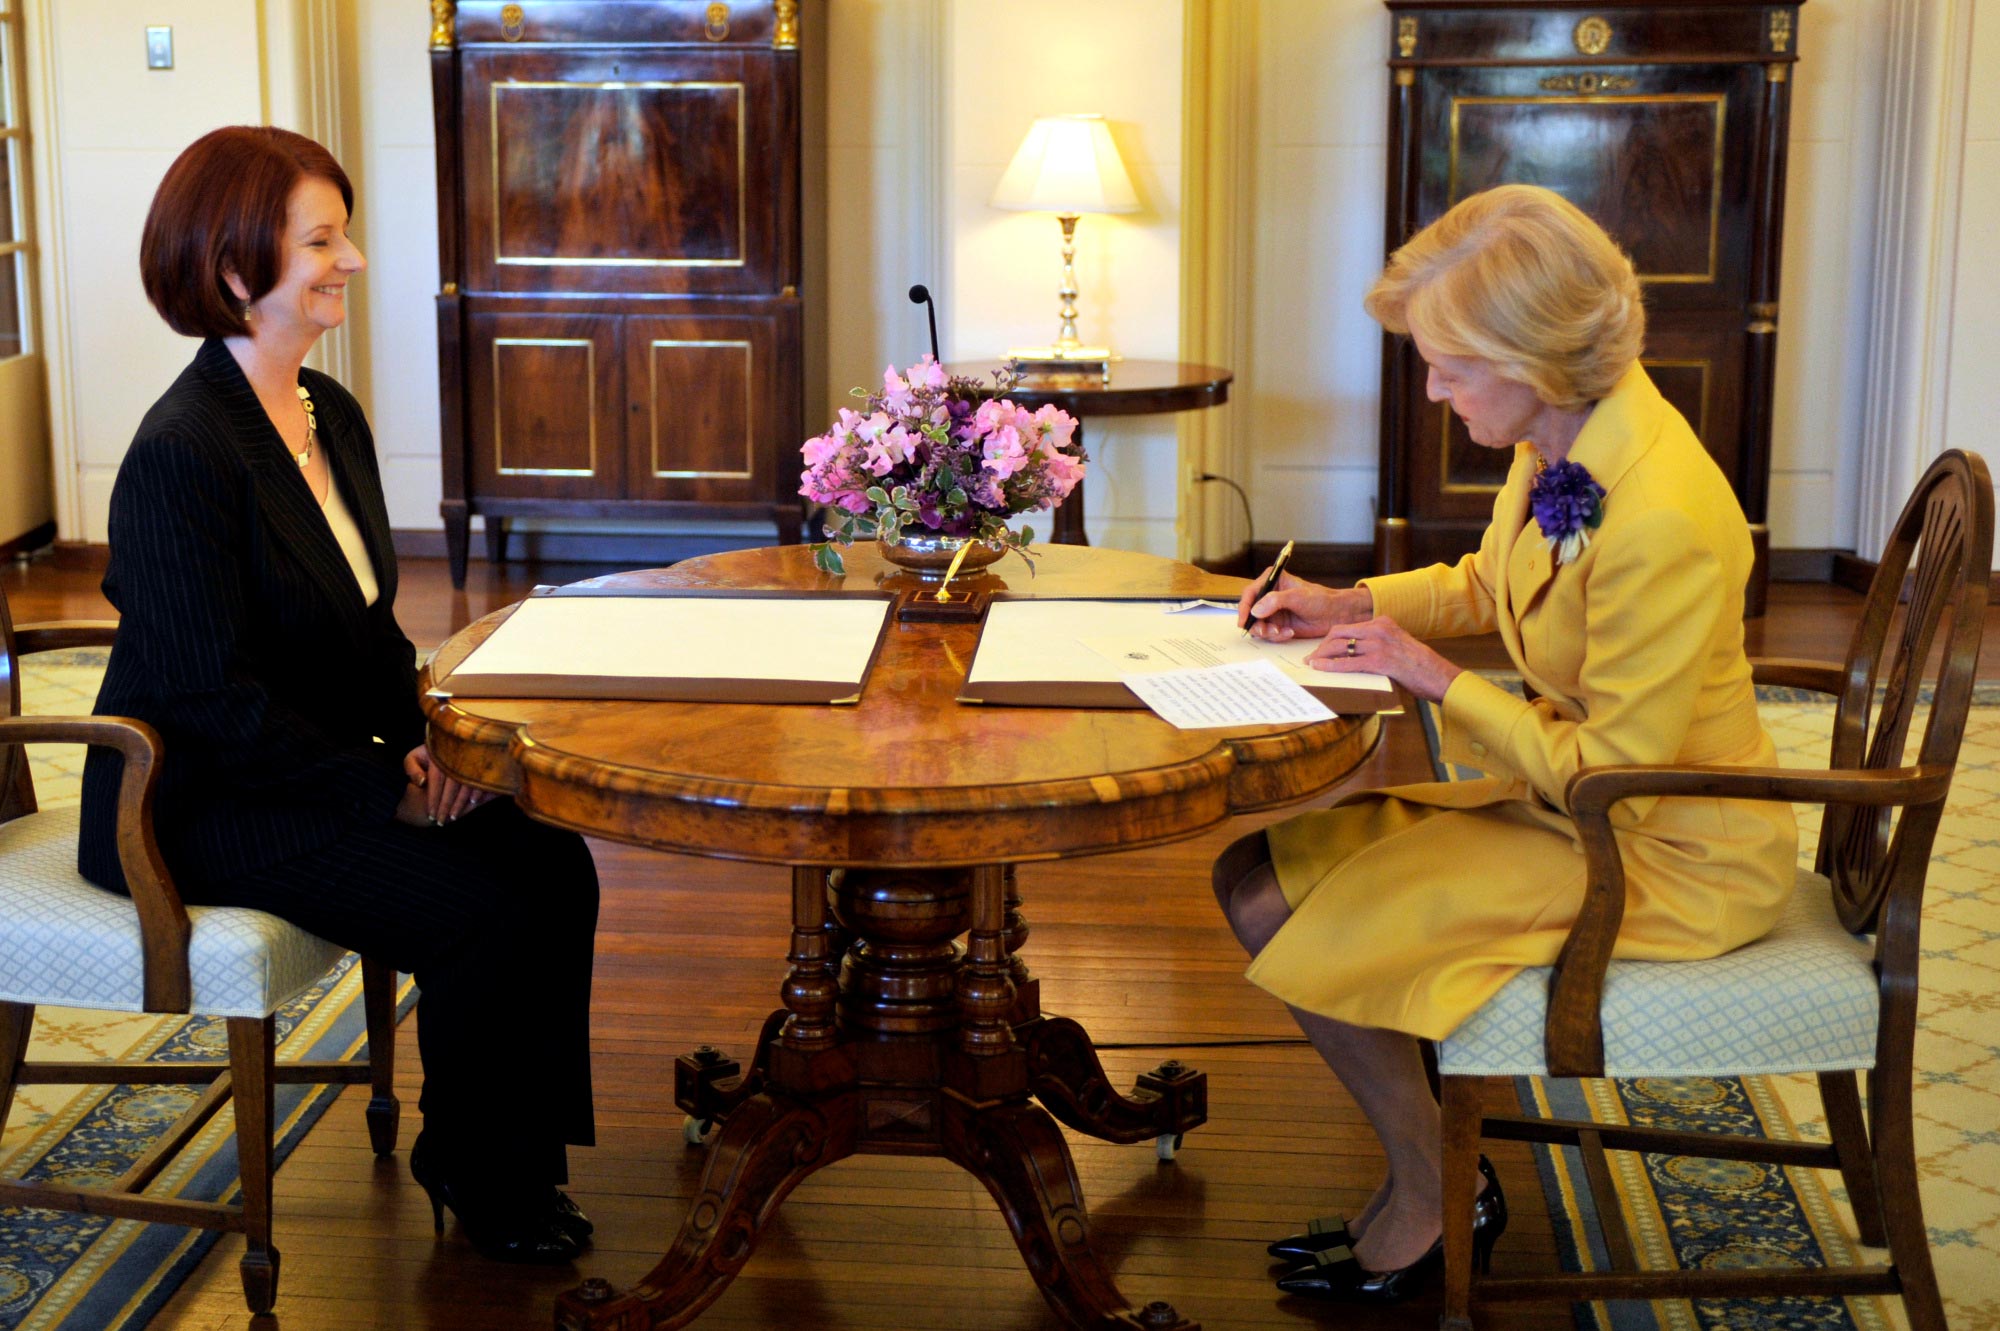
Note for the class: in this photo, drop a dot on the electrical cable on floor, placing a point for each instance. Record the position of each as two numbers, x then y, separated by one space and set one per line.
1249 527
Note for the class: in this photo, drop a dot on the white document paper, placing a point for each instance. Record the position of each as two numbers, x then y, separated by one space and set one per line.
820 638
1249 693
1060 640
1188 639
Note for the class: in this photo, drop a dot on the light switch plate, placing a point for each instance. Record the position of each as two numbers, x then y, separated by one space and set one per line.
159 48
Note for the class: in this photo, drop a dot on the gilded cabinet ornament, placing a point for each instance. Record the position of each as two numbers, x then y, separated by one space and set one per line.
785 37
1586 85
443 24
1592 35
513 22
716 25
1406 36
1781 31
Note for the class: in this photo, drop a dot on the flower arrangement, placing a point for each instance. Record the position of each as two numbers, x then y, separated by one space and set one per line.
1568 505
942 453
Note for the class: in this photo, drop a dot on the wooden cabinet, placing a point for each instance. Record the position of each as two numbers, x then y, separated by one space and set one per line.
1667 124
619 237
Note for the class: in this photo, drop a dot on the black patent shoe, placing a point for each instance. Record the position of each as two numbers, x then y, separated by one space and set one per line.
496 1228
1336 1274
570 1219
1327 1231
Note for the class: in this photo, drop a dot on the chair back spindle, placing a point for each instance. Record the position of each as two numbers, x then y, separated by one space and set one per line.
1917 630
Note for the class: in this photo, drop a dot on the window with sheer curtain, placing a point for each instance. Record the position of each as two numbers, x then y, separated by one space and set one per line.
14 216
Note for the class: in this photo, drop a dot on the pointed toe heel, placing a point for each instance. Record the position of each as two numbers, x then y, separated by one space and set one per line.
1327 1231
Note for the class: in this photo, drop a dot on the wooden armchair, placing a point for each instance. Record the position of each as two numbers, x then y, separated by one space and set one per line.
67 942
1817 994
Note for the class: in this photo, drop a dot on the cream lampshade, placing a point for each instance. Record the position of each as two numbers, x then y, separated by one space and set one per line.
1067 165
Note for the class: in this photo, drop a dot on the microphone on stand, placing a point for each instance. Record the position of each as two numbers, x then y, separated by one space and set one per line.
921 295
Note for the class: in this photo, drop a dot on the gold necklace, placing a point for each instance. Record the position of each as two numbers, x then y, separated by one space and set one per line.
304 459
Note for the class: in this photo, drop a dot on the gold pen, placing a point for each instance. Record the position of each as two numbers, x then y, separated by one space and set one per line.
1270 581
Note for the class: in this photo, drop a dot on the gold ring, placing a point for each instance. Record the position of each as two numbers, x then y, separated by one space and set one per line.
1353 647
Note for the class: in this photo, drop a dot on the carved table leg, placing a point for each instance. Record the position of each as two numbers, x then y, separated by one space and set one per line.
1027 989
1066 1076
770 1144
1017 1151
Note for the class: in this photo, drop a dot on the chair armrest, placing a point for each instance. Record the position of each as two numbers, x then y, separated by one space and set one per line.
1574 1037
163 919
1791 673
56 635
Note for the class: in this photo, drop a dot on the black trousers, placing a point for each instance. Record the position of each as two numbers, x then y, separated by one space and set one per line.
495 916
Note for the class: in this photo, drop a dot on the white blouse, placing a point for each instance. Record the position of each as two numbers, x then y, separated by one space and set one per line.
348 534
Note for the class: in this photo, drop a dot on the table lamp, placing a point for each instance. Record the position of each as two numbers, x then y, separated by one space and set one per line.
1067 165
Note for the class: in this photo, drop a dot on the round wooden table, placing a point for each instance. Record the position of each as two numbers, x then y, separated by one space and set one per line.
901 819
1133 388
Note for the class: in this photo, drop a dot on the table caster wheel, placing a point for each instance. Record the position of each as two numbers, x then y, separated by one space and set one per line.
1166 1146
696 1130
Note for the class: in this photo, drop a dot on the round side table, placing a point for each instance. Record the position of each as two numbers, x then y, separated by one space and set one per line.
1134 388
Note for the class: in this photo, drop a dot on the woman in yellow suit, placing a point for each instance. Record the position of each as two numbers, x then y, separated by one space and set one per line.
1614 570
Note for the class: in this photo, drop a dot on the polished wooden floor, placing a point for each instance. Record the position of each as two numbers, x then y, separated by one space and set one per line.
689 953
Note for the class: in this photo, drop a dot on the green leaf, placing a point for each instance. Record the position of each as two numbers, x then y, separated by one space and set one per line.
957 496
1027 536
827 559
878 495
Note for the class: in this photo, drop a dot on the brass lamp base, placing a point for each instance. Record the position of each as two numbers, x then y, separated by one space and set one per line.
1037 361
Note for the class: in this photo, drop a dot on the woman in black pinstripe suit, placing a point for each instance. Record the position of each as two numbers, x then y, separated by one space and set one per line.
252 570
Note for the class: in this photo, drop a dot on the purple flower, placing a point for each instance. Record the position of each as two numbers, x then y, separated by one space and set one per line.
1567 505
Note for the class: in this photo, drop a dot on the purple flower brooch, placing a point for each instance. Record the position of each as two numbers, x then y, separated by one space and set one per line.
1568 505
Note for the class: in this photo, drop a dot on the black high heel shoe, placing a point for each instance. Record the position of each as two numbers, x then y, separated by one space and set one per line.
570 1219
1327 1231
502 1232
1335 1273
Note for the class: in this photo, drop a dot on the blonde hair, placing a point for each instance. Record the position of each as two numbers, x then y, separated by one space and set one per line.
1521 277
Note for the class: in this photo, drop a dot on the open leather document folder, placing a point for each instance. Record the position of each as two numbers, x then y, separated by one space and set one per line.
679 646
1060 653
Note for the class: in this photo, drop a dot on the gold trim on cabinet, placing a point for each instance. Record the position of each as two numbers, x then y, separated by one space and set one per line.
1588 83
749 408
1781 31
1776 73
742 180
785 36
513 23
1763 326
1405 77
1445 485
715 22
1716 99
590 369
1592 35
450 289
444 25
1406 36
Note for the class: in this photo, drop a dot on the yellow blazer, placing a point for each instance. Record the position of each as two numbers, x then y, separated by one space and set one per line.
1636 650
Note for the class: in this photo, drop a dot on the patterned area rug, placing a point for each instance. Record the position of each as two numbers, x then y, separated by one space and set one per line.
67 1272
1688 1213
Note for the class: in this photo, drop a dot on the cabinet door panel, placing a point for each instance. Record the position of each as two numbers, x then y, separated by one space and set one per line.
704 410
554 429
1662 163
624 171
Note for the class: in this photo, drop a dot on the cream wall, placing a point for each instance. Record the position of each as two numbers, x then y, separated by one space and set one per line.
120 125
1008 64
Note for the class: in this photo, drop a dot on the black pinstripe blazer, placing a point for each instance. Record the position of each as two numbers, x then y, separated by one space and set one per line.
243 637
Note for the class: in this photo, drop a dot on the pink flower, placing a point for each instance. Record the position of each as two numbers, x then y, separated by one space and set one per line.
927 373
818 449
1004 453
1056 424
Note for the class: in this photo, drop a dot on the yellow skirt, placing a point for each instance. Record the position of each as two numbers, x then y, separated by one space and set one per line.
1408 916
